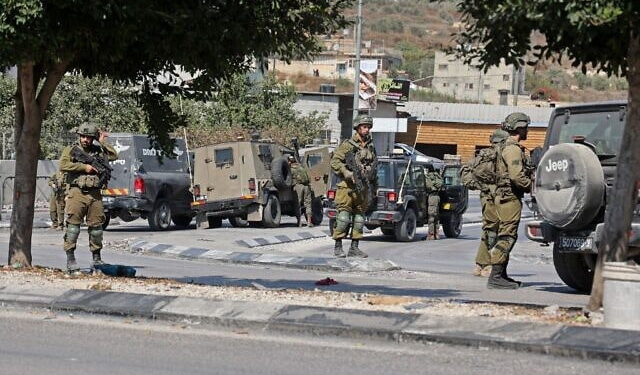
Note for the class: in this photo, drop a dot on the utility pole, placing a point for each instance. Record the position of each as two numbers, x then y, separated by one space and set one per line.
356 66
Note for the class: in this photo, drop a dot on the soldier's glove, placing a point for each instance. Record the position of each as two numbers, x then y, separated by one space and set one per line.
347 175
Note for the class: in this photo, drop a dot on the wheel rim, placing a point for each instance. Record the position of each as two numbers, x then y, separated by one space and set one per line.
164 215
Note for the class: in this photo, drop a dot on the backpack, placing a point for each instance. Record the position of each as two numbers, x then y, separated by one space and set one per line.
481 170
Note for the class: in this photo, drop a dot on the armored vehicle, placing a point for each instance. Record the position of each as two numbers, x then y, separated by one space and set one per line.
147 184
250 183
573 181
400 204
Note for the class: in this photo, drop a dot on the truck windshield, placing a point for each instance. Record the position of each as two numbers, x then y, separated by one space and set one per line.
602 129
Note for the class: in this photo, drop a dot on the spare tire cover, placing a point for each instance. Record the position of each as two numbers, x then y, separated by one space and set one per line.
569 186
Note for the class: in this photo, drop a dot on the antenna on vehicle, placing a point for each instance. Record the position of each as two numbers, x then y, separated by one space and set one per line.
186 143
413 149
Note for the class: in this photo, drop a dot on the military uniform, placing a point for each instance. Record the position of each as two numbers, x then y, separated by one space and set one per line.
434 184
490 220
302 189
56 202
352 203
84 197
512 182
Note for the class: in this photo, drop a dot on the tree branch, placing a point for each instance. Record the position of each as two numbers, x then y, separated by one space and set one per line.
54 76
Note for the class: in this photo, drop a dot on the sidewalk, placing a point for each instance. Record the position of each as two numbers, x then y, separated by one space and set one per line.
477 331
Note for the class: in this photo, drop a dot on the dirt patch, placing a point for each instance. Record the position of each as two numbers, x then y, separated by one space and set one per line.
49 277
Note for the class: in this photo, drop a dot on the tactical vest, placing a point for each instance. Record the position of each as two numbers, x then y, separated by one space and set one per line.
84 180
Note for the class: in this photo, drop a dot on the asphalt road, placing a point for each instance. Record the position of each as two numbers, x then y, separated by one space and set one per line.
38 342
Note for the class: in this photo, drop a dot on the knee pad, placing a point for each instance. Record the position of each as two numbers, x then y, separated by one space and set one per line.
358 223
343 220
95 234
72 233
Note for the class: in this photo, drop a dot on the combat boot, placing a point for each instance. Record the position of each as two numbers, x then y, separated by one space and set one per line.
337 250
477 270
486 271
505 276
497 281
354 250
72 265
97 259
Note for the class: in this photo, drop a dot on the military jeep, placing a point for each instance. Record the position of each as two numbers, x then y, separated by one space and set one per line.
250 183
572 186
400 204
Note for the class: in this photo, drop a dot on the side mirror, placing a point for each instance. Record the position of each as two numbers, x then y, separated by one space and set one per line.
536 156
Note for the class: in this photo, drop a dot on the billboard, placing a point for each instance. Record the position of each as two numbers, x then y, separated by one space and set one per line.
394 90
368 89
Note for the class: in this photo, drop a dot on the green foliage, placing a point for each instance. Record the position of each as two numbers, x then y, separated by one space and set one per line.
7 104
417 62
387 25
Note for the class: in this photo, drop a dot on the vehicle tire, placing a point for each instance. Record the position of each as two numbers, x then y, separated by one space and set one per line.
238 222
271 212
214 221
316 211
405 230
107 219
281 173
573 269
452 226
160 217
182 221
388 231
332 224
570 186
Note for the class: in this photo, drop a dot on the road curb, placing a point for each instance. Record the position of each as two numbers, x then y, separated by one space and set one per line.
279 239
573 341
311 263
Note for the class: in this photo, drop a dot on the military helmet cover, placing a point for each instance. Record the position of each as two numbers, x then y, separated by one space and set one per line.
362 120
516 120
88 129
498 136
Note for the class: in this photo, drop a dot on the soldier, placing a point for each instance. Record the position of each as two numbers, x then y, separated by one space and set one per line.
302 190
434 184
351 202
489 215
84 197
512 182
56 202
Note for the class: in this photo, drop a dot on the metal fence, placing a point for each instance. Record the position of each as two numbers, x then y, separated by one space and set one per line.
7 179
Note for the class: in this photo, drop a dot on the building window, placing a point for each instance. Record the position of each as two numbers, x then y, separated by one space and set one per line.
443 66
468 86
487 86
445 84
350 63
505 77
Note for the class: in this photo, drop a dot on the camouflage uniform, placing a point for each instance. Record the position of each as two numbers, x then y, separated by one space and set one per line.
489 216
512 182
84 197
434 184
56 202
351 203
302 189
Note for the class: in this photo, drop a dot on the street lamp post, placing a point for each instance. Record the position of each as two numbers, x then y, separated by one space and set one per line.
356 66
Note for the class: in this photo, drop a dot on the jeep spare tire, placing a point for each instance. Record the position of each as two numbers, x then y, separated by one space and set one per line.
569 186
281 173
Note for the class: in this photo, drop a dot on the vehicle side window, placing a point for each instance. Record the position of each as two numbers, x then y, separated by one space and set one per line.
400 172
418 176
452 176
224 156
313 160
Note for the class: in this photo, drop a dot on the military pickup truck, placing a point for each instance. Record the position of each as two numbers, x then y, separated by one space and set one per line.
400 204
147 184
573 180
250 183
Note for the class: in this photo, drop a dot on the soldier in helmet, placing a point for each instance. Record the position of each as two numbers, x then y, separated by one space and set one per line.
434 182
302 190
490 221
512 182
56 203
84 197
351 202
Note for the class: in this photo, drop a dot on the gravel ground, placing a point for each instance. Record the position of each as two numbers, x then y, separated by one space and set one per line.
48 277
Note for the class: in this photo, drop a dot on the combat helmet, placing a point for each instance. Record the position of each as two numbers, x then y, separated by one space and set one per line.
362 120
498 136
516 120
88 129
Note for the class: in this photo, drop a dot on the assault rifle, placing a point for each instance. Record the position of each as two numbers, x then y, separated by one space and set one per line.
358 174
100 164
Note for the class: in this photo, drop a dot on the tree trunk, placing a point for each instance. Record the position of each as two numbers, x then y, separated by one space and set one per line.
623 199
30 109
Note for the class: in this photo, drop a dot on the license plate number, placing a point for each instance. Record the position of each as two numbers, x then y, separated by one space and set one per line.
576 243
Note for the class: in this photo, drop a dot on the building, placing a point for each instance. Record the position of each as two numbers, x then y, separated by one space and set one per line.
337 60
456 128
453 77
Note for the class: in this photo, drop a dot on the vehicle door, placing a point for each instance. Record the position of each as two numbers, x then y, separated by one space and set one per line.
121 182
317 163
454 195
420 190
225 181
